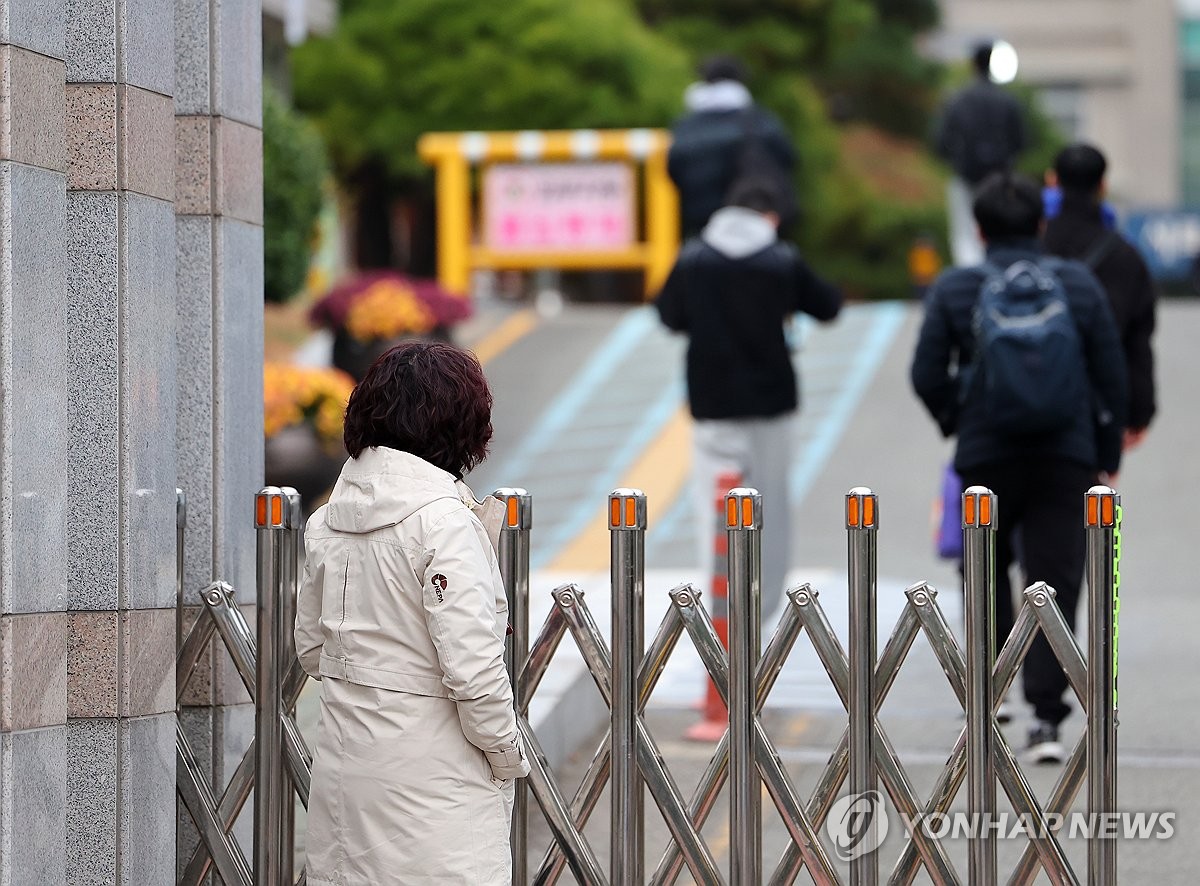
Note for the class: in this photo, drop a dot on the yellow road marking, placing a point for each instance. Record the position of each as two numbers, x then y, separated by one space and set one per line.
661 472
504 336
719 844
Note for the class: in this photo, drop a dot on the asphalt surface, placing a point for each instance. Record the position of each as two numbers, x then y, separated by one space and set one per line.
589 397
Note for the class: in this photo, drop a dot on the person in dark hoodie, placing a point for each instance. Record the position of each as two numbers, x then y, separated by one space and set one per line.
1079 230
731 292
723 137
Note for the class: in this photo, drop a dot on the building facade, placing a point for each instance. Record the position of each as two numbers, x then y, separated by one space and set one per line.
1108 71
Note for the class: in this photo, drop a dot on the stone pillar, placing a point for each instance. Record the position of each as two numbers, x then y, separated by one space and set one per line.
218 107
112 393
33 445
120 462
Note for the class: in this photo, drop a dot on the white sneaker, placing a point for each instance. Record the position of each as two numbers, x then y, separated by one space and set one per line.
1044 746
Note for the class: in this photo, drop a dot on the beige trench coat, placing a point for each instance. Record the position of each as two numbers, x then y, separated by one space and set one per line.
402 616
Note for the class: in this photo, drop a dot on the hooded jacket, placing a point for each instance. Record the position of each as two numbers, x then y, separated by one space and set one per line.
709 145
402 615
730 292
946 345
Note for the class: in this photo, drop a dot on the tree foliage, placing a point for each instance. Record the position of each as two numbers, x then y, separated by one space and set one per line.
294 171
393 71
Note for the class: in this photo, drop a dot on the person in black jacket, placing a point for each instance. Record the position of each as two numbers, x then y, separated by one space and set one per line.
723 137
980 131
1078 231
1039 479
731 292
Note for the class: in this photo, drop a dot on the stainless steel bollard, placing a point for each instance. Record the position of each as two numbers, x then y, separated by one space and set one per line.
743 522
1103 521
862 523
285 644
514 568
180 525
627 529
275 516
979 575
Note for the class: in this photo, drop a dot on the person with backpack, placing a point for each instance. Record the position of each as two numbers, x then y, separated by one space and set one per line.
981 131
725 137
1019 359
1080 230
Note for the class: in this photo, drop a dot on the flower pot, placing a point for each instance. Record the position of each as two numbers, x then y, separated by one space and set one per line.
295 457
355 357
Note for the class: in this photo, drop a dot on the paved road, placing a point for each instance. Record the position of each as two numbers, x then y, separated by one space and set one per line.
583 397
591 399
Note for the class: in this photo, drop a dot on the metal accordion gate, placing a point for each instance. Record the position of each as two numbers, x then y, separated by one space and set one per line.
628 762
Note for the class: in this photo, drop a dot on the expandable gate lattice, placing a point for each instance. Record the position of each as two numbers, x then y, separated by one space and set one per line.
628 758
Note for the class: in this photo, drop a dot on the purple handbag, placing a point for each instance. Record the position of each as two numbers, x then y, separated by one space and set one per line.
949 537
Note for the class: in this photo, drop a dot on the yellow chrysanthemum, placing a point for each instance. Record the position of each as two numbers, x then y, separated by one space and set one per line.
293 395
388 309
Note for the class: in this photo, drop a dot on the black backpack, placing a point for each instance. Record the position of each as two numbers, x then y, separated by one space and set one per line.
1029 368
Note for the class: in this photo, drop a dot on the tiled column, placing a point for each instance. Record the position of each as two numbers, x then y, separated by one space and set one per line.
218 103
33 445
120 459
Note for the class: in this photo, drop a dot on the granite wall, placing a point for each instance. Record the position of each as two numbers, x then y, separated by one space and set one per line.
130 352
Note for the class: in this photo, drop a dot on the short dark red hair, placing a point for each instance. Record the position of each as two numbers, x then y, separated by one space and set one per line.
427 398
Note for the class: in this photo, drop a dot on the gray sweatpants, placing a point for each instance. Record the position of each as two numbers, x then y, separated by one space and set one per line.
760 450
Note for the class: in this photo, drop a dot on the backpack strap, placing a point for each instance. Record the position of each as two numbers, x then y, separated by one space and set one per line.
1100 249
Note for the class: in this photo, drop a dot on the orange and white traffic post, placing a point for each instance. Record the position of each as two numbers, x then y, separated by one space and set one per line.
715 714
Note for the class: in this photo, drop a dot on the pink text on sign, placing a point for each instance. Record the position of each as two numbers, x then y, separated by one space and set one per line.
576 207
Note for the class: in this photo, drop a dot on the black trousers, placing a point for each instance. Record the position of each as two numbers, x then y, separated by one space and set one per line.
1041 501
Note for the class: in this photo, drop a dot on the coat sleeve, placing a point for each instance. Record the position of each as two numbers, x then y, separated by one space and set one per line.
309 637
671 302
930 373
1139 355
1106 368
459 599
814 295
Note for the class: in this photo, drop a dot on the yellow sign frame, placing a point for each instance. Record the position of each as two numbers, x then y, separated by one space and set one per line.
453 154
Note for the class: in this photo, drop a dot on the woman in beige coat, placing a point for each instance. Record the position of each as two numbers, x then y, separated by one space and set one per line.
402 616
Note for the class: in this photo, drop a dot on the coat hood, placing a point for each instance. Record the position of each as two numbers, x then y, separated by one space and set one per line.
737 233
384 486
720 95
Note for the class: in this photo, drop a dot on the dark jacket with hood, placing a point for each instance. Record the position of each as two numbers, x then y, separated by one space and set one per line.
723 132
946 345
981 131
1075 232
730 292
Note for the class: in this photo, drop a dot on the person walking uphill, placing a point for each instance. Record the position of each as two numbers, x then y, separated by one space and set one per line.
731 292
724 137
1019 359
401 615
981 131
1079 230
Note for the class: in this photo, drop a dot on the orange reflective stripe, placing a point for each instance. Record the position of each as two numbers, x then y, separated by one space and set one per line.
1107 511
